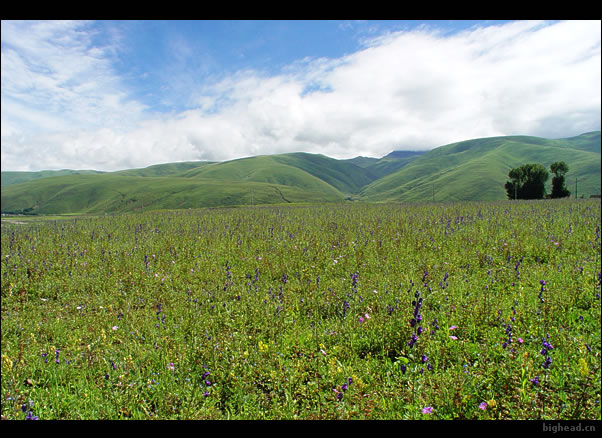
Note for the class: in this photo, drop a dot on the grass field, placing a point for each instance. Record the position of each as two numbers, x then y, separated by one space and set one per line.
473 310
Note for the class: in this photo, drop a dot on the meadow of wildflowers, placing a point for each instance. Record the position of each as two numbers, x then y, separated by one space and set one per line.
484 310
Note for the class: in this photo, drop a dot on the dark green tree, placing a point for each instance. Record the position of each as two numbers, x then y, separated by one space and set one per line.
527 182
559 190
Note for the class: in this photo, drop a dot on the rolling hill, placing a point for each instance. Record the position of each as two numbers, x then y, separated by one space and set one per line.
468 170
477 169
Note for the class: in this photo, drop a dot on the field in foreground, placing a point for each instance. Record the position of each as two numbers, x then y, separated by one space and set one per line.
484 310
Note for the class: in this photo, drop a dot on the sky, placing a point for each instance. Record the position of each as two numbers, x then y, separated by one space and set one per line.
112 95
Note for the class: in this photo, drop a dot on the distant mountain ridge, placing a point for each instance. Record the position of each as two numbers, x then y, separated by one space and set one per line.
474 169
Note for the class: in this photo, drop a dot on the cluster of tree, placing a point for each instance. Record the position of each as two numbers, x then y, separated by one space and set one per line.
529 181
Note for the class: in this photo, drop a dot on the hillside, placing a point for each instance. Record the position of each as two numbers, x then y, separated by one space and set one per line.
9 178
468 170
118 193
477 169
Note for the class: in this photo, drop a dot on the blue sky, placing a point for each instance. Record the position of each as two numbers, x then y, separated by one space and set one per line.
162 60
110 95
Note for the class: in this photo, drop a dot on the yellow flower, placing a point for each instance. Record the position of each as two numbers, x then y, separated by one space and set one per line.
262 347
583 368
6 362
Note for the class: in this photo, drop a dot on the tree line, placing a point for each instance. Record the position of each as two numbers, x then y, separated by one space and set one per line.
528 181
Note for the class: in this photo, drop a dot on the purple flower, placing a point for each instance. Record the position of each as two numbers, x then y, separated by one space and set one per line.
424 358
413 340
427 410
483 406
547 363
535 381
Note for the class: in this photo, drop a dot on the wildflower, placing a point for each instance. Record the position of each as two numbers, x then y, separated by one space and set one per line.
30 416
453 338
427 410
424 358
483 406
542 290
114 328
535 381
453 327
413 340
171 366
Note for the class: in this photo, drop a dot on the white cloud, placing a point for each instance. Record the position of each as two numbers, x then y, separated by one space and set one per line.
403 90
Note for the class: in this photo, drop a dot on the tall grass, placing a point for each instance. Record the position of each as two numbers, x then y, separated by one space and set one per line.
463 310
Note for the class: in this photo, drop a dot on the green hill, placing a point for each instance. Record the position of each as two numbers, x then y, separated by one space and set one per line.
167 169
469 170
118 193
477 169
9 178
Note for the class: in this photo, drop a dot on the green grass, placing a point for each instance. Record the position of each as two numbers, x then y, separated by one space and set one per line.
267 312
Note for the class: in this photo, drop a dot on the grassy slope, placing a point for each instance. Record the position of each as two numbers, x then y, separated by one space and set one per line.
116 193
265 169
9 178
477 169
167 169
344 176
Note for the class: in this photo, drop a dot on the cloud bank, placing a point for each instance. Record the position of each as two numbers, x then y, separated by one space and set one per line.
64 105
